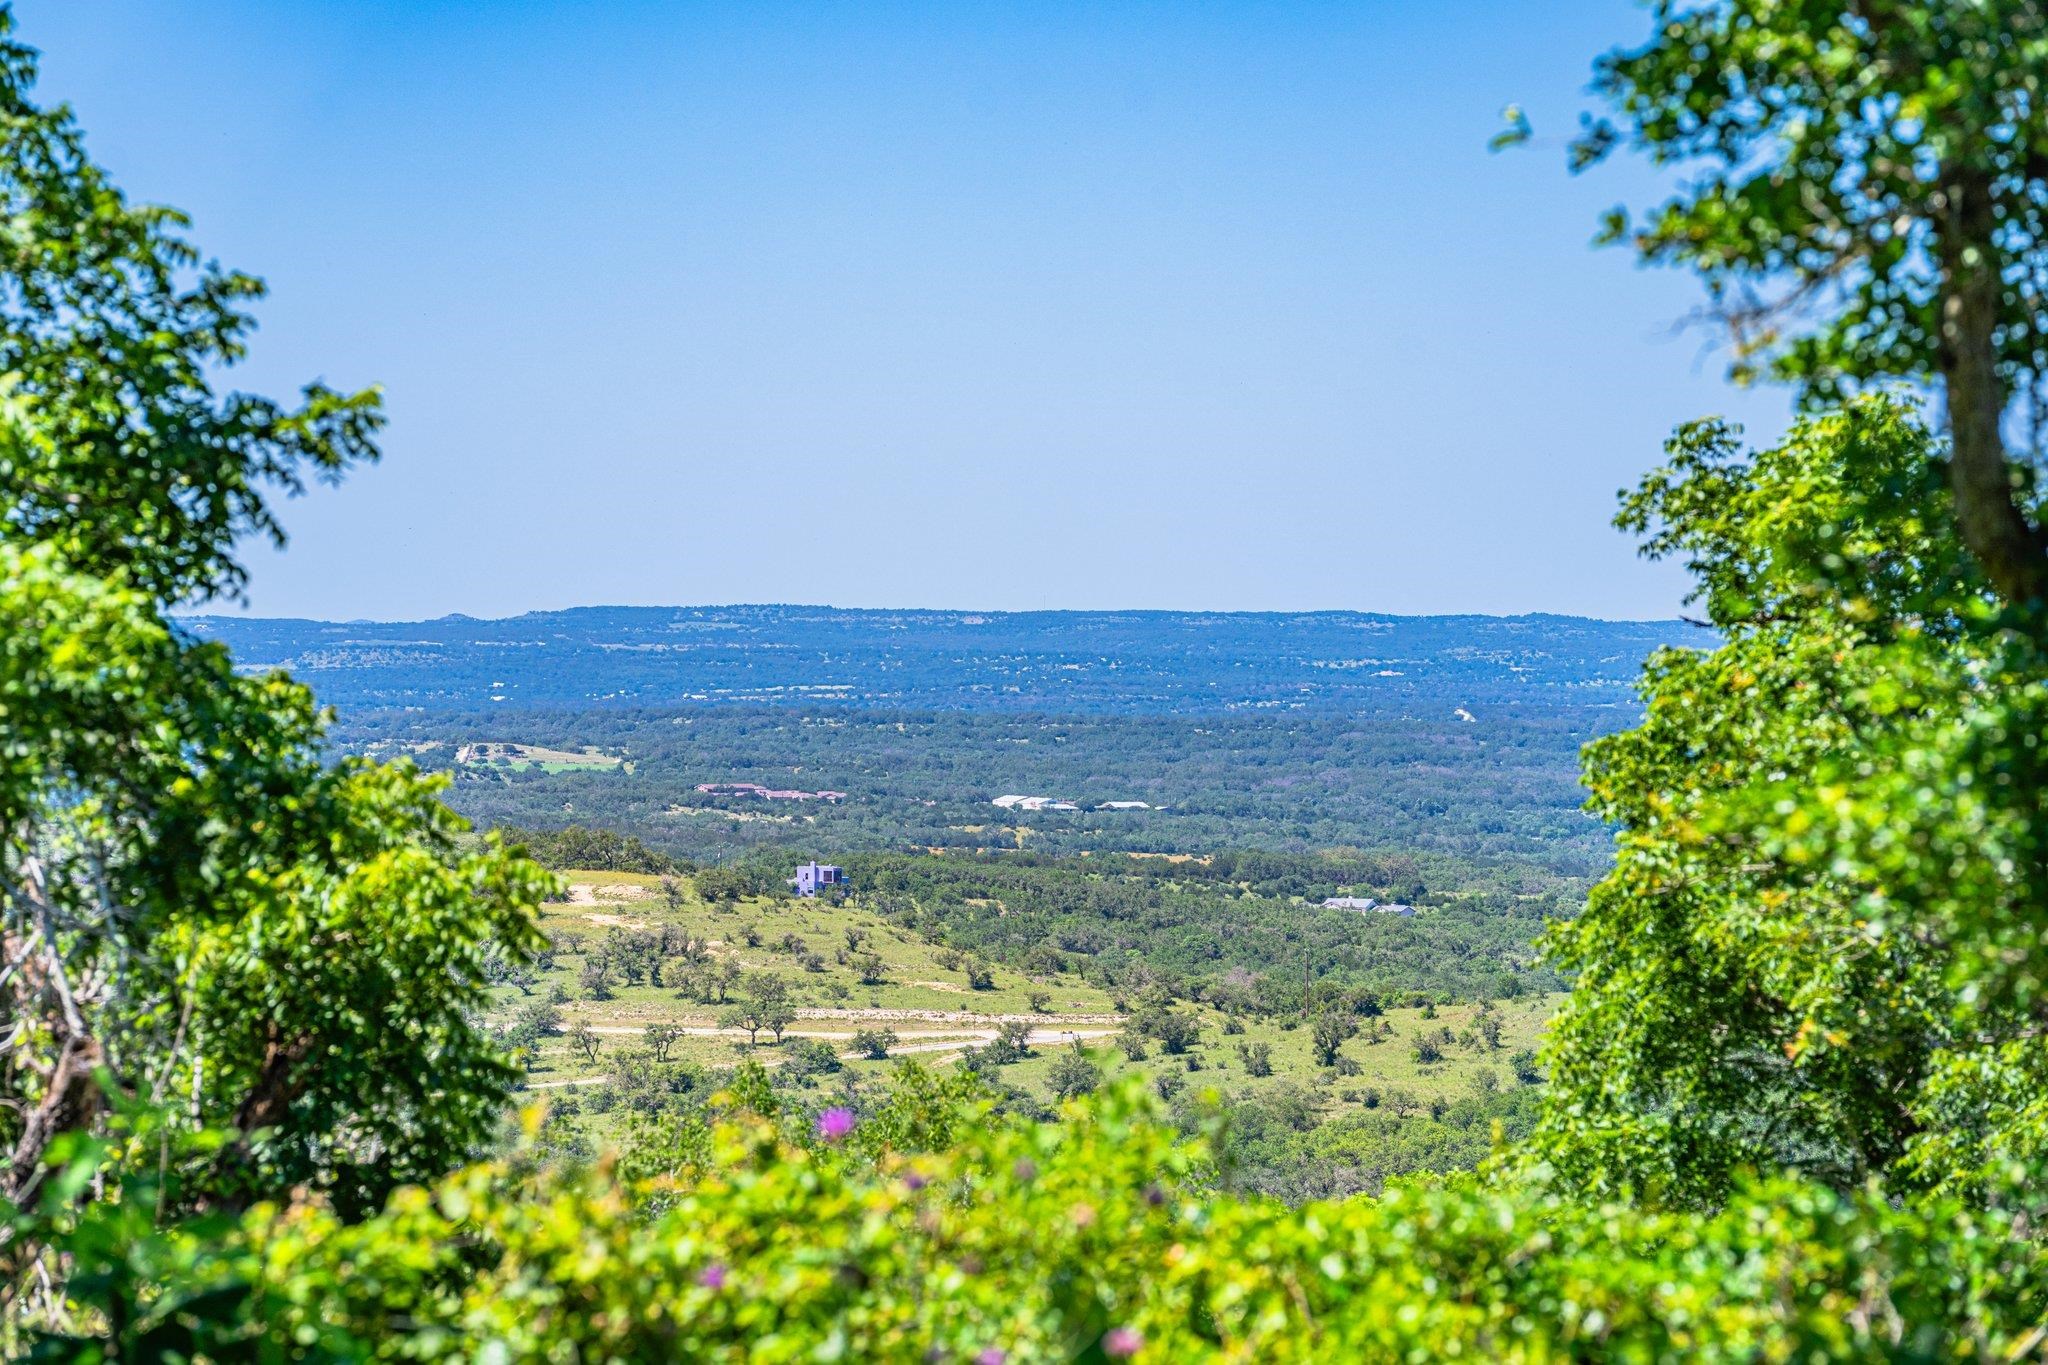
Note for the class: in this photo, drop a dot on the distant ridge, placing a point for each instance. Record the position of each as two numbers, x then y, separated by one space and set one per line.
798 609
1137 661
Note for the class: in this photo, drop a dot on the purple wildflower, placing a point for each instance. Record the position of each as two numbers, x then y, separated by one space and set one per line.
991 1355
835 1123
1121 1342
712 1276
1025 1169
915 1180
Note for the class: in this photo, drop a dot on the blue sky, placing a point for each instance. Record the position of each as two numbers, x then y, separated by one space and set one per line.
1219 306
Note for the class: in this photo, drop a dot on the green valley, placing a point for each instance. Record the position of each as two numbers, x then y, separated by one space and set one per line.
960 986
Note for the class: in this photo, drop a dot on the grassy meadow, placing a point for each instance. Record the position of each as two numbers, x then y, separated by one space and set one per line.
922 993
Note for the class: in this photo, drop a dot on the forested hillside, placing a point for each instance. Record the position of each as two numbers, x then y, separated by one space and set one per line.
1141 662
1156 732
1500 785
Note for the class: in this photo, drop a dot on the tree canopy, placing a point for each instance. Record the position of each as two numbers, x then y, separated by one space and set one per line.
1819 948
1865 194
243 965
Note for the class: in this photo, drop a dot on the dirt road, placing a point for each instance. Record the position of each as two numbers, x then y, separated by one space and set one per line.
954 1041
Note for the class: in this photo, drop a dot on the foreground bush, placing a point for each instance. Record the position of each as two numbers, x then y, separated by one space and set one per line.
1089 1239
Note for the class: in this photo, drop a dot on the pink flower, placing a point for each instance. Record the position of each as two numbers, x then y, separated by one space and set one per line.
1121 1342
712 1276
835 1124
991 1355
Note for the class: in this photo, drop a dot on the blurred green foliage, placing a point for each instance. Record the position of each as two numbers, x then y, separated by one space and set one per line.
228 962
1086 1239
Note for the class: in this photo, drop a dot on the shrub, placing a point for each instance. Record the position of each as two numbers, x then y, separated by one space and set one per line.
1332 1029
593 850
1176 1030
1080 1234
542 1017
808 1057
1072 1074
1012 1042
874 1044
720 884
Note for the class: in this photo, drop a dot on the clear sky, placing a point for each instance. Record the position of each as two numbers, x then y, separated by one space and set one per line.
1219 306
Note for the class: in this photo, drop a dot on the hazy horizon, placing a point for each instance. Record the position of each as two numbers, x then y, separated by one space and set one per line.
213 611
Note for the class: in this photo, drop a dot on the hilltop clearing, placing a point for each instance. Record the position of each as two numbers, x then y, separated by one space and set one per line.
650 992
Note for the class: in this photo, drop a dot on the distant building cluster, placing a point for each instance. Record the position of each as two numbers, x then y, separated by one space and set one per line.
1055 803
759 792
814 877
1367 905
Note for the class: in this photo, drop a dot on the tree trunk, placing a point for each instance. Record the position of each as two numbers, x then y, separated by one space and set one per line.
2011 549
71 1102
269 1100
267 1105
72 1099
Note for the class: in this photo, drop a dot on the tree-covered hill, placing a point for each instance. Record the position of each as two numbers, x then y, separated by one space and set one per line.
1503 785
1133 662
1166 732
